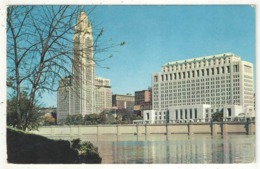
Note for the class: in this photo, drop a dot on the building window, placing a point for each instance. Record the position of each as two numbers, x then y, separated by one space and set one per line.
202 72
179 75
188 74
228 69
174 75
155 78
180 114
166 77
198 73
162 77
183 75
217 70
212 71
207 71
190 113
170 76
195 113
186 114
193 73
236 68
229 112
176 114
147 116
223 70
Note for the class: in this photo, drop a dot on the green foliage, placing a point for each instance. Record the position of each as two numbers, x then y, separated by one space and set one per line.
27 148
217 117
107 117
48 120
121 116
74 120
88 153
34 118
92 119
124 116
128 118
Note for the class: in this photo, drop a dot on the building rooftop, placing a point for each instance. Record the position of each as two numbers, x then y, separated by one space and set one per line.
127 94
198 59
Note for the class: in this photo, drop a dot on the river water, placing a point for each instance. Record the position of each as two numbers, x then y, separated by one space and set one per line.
174 149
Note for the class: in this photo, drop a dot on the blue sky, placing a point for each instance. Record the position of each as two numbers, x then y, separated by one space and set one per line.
155 35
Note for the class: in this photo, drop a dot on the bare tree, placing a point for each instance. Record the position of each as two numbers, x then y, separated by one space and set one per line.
39 51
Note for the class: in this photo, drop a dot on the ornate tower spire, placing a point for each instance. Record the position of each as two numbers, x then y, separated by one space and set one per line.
82 24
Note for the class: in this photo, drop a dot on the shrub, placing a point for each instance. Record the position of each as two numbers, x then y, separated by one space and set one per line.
30 148
88 153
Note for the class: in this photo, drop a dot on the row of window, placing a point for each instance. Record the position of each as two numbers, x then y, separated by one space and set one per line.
159 118
196 84
188 88
183 114
197 100
165 108
195 94
184 99
193 91
193 73
184 96
193 81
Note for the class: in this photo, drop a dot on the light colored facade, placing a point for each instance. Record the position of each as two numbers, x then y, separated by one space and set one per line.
149 116
82 93
64 99
191 113
220 81
230 111
103 94
83 72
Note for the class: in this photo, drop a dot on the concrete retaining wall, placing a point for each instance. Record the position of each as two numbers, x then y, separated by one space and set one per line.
188 128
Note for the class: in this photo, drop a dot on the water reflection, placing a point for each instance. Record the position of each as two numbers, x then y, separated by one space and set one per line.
175 149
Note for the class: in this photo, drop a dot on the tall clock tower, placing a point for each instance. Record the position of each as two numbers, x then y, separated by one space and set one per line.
83 68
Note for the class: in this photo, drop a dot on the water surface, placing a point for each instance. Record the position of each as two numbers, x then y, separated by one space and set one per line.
174 149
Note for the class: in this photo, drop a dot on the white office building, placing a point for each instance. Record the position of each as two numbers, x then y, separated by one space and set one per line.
204 85
64 99
103 94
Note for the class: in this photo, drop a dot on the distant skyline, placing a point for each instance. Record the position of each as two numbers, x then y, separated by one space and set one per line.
155 35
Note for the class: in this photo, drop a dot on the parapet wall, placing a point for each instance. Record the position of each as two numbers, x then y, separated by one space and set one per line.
169 129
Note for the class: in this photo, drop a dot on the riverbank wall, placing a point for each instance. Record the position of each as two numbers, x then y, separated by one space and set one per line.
216 128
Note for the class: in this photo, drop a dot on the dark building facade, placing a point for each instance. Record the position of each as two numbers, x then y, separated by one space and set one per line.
143 99
123 101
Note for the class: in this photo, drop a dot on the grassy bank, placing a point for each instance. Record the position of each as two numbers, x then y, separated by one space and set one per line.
27 148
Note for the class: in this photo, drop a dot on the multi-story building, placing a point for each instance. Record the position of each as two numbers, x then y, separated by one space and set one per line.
143 100
223 81
64 99
103 94
83 71
123 101
82 93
